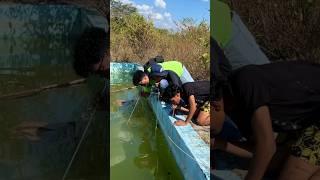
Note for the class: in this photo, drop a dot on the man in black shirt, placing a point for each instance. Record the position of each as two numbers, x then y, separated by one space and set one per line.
196 96
280 97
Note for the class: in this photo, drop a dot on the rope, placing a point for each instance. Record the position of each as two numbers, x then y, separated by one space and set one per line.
157 168
155 129
78 146
155 134
181 149
204 164
133 110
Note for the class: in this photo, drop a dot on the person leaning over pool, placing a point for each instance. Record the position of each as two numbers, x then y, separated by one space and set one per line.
262 99
192 98
141 78
172 65
158 77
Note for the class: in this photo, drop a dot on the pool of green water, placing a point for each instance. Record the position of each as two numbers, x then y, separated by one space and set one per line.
39 134
137 146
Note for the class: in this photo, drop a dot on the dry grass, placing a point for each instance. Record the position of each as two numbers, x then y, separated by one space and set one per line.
185 46
186 51
284 29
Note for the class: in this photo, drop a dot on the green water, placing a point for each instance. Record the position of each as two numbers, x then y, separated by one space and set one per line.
137 148
39 134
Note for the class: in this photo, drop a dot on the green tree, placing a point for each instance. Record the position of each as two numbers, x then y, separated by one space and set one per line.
119 10
134 38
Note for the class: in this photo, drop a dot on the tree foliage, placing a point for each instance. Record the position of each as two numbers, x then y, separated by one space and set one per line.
135 39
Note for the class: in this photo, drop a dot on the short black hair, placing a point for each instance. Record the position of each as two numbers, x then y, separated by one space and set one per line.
170 92
137 77
89 49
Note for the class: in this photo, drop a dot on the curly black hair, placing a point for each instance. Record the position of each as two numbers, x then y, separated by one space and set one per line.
170 92
89 49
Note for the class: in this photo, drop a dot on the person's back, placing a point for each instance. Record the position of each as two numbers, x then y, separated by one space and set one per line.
233 37
277 97
199 89
289 89
170 77
194 97
172 65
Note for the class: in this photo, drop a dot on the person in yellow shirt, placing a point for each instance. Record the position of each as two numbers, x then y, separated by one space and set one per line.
160 72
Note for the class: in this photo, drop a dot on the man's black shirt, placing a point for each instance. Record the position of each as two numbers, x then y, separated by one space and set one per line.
291 90
199 89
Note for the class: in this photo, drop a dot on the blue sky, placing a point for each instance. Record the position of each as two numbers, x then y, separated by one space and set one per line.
165 12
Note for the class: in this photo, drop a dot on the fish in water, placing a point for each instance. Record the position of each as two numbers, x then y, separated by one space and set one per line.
120 102
30 130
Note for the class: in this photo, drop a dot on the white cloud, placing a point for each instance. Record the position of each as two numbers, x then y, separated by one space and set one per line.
167 22
148 12
160 3
126 1
160 19
144 8
166 14
156 16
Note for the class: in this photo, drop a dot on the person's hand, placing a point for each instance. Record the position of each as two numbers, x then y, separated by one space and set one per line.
174 108
180 123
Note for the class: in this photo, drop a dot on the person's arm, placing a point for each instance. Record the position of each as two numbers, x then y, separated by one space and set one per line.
217 115
183 109
265 146
175 79
178 107
231 148
192 110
